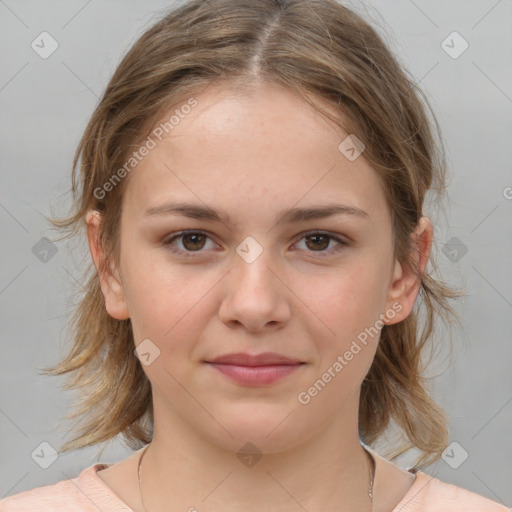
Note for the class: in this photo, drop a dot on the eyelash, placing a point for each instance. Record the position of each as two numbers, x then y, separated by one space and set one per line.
192 254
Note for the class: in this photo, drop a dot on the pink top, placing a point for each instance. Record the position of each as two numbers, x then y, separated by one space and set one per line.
88 493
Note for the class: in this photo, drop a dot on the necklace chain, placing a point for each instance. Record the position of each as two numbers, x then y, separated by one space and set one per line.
370 490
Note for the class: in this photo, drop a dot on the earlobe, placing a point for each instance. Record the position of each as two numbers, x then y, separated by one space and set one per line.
110 282
406 282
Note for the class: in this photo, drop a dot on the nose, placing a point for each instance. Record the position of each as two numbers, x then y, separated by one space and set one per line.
255 295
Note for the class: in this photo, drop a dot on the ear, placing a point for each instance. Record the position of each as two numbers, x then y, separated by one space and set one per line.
111 284
405 283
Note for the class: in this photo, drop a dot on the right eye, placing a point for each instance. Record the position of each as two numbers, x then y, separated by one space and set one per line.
192 241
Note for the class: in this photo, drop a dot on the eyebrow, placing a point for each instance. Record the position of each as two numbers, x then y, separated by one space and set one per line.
293 215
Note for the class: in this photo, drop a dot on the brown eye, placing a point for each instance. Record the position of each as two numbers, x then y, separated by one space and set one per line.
191 242
319 242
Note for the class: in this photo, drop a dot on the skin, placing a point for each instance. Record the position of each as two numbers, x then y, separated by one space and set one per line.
252 155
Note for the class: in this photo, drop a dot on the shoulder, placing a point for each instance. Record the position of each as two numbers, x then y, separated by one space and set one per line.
428 494
80 494
58 496
425 494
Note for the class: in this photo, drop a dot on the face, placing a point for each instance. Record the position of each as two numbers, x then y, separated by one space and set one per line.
242 270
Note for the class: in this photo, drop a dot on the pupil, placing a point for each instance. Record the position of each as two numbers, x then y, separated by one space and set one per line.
316 237
194 243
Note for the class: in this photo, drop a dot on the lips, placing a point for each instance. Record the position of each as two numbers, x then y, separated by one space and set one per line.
255 370
264 359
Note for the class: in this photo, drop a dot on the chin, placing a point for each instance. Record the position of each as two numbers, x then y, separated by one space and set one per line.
267 432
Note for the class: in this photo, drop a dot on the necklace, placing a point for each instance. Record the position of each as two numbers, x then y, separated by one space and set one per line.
370 490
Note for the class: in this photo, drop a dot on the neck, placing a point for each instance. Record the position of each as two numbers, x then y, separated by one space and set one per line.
331 470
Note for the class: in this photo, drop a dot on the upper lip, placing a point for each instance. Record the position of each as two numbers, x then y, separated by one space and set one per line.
264 359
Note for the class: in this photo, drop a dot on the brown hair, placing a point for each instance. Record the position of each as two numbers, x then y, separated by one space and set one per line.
320 50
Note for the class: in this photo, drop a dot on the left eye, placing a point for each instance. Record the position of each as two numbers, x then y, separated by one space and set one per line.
194 241
320 240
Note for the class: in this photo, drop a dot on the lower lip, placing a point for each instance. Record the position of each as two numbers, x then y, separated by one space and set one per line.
256 375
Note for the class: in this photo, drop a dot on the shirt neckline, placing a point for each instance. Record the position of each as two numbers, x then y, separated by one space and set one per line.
421 480
97 484
418 484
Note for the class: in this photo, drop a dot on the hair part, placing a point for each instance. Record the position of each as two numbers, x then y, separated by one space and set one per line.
335 61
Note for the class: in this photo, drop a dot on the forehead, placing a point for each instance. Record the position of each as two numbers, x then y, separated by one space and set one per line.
250 150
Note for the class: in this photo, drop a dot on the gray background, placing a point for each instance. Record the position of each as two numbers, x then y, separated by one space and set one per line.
45 104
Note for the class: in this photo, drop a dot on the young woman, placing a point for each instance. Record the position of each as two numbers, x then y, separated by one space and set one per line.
252 186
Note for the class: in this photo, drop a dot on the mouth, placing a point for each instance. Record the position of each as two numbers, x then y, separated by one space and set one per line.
255 370
262 359
256 375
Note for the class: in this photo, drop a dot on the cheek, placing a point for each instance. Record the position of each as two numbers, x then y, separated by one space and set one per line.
350 305
352 299
167 304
